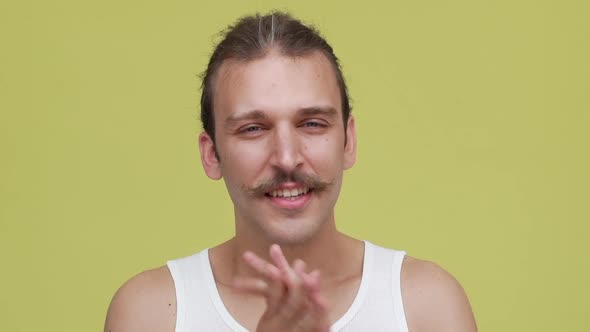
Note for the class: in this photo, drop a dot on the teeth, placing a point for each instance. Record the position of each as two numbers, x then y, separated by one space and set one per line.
289 193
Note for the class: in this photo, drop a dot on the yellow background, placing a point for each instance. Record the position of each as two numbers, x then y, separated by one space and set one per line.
473 120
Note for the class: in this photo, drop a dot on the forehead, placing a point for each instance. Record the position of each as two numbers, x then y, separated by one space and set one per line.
276 83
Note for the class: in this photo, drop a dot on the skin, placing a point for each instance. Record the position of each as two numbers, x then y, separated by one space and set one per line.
289 268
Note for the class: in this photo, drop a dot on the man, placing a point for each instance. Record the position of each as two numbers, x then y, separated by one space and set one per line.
278 130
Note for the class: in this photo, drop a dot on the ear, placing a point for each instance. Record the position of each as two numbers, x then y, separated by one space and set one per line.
350 147
209 157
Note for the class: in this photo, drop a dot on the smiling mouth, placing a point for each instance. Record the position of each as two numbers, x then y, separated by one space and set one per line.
289 194
290 199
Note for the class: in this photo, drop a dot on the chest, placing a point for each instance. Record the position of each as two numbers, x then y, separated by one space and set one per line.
247 309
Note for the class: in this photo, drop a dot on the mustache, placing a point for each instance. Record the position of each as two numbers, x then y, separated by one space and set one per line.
265 185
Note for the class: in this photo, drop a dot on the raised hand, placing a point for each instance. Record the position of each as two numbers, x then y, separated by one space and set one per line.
293 299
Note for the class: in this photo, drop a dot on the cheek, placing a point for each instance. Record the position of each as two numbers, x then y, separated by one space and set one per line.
243 161
324 154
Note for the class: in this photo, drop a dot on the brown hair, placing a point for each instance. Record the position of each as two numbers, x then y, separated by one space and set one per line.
253 37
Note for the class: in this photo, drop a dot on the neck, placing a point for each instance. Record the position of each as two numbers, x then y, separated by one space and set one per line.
336 255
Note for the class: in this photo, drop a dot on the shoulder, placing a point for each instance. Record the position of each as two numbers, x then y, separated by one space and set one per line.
147 302
433 299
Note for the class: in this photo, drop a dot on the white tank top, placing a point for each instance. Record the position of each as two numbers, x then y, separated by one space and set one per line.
376 307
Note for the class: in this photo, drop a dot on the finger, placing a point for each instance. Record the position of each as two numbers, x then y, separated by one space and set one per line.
276 253
273 276
315 274
311 280
301 270
288 275
276 291
296 303
316 318
311 283
320 304
261 266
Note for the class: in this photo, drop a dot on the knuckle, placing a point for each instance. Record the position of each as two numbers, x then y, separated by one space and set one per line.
293 281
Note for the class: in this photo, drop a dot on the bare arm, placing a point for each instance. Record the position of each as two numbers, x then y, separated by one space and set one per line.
434 300
146 303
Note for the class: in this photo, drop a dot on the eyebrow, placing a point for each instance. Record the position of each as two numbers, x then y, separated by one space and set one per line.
260 115
251 115
326 111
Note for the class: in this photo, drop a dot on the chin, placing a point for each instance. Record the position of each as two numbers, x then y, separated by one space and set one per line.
291 232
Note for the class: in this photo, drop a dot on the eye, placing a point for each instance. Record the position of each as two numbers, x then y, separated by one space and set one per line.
250 129
313 124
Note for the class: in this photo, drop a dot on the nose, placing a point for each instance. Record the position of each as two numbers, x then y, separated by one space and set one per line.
286 149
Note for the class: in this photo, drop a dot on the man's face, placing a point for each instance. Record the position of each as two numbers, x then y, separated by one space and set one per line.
281 144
